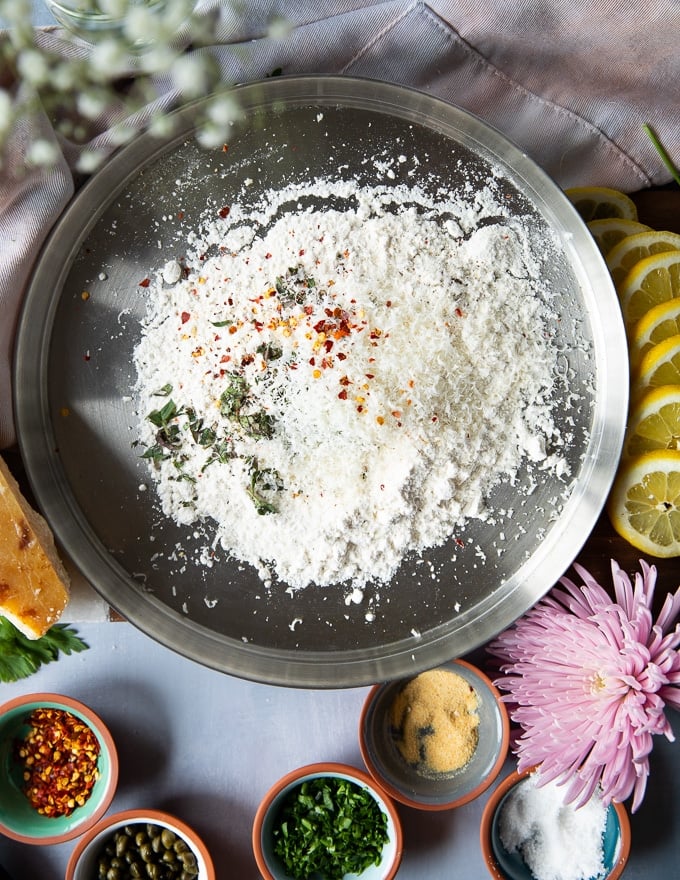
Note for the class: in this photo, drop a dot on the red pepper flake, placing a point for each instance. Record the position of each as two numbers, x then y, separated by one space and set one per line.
345 380
328 345
267 256
145 282
343 394
224 212
86 356
389 303
59 755
458 542
312 362
180 215
369 375
185 316
225 148
459 312
308 310
301 252
341 356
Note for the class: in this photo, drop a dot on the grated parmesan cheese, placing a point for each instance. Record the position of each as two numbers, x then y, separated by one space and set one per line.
348 383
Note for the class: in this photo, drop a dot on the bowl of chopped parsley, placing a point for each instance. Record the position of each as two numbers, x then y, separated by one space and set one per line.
327 821
58 768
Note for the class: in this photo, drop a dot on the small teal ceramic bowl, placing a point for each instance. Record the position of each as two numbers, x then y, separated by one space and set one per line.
19 819
411 785
269 811
504 865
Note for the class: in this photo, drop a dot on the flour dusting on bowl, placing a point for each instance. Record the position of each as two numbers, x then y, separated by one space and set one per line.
338 376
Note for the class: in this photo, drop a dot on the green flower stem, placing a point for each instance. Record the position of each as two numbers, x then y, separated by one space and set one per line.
665 158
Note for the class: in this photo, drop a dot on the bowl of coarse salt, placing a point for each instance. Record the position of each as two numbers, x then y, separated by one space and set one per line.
436 740
528 832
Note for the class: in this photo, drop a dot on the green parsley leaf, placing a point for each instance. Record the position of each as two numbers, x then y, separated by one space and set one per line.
329 827
21 656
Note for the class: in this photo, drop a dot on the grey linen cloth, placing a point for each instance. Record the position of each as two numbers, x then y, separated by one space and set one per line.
569 83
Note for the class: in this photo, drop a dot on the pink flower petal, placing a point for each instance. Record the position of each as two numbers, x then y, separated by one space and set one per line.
588 679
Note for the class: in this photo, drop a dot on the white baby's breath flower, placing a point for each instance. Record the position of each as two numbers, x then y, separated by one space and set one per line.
90 160
223 110
279 28
42 153
66 76
192 75
161 125
158 59
33 67
92 104
210 135
5 113
122 134
109 58
142 27
16 12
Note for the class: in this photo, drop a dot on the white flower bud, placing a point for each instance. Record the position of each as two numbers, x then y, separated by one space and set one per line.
42 152
191 75
33 67
5 113
91 104
89 161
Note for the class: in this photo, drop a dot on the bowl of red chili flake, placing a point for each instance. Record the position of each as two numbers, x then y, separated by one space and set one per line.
59 767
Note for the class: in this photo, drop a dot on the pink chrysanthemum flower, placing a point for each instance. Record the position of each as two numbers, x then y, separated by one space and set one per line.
588 679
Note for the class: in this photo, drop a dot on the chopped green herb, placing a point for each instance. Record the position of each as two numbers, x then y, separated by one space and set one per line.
155 454
170 438
161 417
164 391
234 396
293 286
263 480
269 351
226 323
21 656
221 451
232 402
330 827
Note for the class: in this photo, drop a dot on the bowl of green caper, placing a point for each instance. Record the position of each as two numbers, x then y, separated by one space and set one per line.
147 844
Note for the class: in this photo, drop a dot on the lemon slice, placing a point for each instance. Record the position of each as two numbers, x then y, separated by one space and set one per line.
660 365
609 231
654 421
653 327
598 202
630 250
651 281
644 504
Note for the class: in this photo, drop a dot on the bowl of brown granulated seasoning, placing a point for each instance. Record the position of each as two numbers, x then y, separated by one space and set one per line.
436 740
59 768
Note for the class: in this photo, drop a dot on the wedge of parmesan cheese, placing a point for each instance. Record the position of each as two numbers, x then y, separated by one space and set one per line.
34 586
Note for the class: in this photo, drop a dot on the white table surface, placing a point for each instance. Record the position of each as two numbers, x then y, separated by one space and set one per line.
206 746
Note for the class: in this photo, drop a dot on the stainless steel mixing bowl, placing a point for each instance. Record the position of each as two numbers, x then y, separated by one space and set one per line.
75 357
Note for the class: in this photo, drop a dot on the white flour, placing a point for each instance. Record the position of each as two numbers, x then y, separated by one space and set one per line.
344 385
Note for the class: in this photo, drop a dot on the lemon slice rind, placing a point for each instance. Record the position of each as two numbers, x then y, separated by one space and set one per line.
644 504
